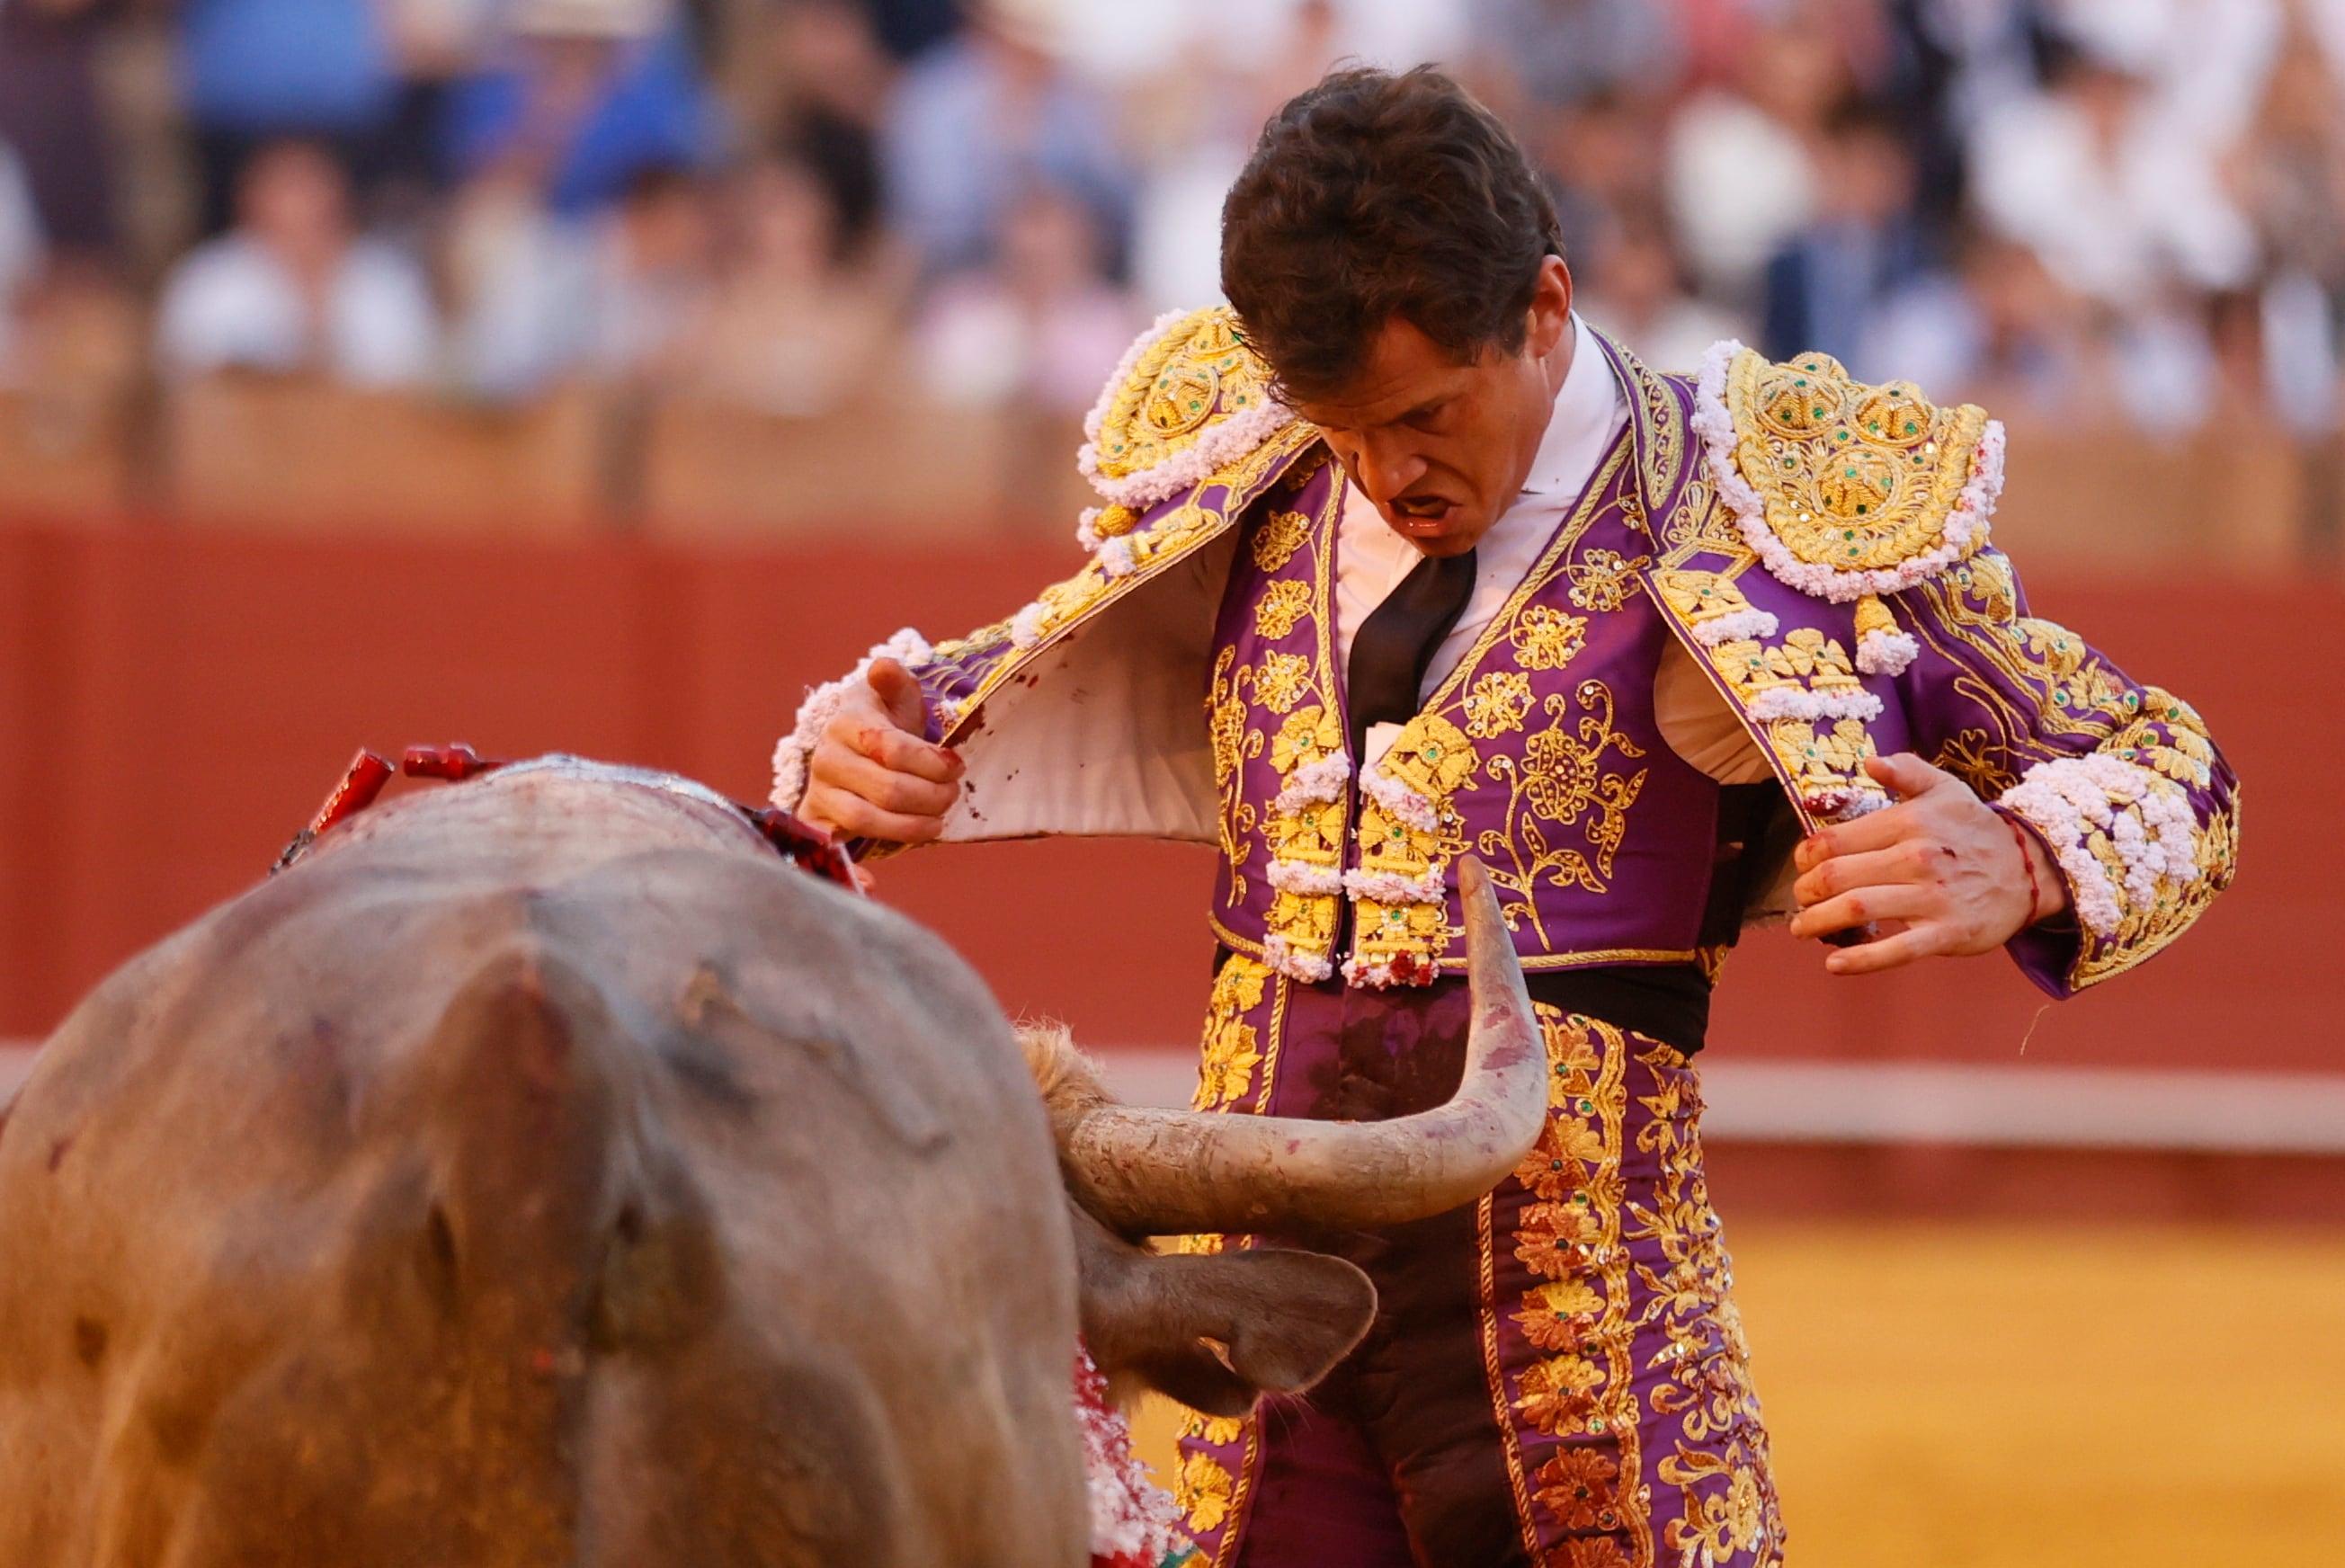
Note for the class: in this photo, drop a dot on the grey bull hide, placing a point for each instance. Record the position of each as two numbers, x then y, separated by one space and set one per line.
544 1173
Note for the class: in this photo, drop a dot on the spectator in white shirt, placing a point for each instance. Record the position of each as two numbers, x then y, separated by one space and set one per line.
2121 194
1739 171
294 287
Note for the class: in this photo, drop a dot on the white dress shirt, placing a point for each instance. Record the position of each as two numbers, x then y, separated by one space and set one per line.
1371 559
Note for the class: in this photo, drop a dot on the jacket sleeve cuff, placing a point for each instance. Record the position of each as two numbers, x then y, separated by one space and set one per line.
2124 840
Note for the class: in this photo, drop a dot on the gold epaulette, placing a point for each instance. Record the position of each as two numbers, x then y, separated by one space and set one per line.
1845 491
1190 399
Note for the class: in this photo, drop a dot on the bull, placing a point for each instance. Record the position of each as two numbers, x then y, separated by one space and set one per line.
542 1173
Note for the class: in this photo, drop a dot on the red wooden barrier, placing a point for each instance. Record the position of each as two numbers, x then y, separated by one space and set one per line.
173 705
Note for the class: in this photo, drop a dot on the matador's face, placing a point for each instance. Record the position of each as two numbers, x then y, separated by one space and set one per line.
1441 447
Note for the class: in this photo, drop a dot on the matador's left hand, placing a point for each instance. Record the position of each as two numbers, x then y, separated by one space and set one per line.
1939 872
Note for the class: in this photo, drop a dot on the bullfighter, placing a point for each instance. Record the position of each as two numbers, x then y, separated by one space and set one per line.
1401 560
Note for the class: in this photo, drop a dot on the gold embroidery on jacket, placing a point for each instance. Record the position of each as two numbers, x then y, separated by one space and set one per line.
1660 419
1603 580
1967 756
1233 746
1202 1488
1561 783
1286 602
1700 597
984 640
1804 658
1282 534
1434 758
1700 526
1282 681
2070 691
1497 705
1545 638
1287 704
1820 761
2169 737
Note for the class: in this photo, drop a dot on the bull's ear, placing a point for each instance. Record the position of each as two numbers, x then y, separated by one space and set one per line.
1215 1332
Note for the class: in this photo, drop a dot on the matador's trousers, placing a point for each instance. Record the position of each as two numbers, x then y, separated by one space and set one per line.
1556 1375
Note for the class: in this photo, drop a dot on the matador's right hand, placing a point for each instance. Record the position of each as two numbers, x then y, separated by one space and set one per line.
872 776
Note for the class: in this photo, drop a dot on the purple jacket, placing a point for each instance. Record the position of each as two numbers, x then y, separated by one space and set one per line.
1818 546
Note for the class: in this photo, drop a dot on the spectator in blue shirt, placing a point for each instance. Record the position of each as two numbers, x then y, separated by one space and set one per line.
253 71
985 118
583 99
1828 284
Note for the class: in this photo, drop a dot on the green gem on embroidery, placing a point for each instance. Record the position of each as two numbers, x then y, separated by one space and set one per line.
1839 435
1861 509
1799 381
1433 752
1819 413
1912 429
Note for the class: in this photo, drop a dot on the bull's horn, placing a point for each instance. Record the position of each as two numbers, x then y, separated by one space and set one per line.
1163 1172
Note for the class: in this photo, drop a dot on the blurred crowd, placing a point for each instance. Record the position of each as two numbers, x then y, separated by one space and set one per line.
2086 213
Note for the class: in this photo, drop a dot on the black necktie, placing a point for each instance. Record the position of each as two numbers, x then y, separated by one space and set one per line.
1394 644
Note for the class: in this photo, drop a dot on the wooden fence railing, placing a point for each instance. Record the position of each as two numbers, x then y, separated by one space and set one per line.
256 452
